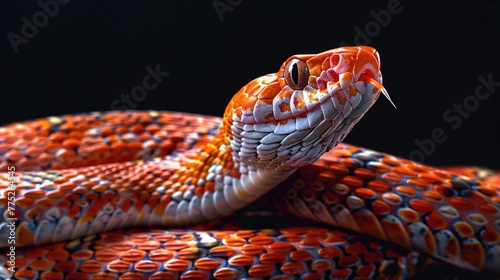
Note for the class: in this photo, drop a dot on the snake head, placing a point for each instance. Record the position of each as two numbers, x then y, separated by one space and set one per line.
290 118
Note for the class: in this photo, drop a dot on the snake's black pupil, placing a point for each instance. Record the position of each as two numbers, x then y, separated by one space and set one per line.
295 73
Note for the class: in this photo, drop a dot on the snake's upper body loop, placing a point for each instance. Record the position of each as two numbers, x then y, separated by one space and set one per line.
277 143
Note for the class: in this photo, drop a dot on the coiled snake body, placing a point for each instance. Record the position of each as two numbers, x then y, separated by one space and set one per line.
105 189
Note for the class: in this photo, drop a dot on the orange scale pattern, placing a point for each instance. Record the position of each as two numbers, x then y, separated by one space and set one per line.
449 214
284 256
98 138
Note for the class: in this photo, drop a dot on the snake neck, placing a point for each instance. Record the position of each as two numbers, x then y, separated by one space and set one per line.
222 181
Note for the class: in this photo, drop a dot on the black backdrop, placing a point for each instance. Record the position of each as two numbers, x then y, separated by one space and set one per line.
84 55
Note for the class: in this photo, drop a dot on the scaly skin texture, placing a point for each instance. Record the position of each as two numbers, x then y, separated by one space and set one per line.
93 174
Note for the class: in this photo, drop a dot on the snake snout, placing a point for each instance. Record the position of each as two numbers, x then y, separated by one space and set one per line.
367 70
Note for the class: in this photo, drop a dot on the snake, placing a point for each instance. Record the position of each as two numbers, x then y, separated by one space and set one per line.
168 195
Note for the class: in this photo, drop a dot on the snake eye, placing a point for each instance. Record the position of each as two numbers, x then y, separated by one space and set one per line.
296 74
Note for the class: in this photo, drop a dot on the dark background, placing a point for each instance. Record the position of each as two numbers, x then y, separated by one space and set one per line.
91 52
